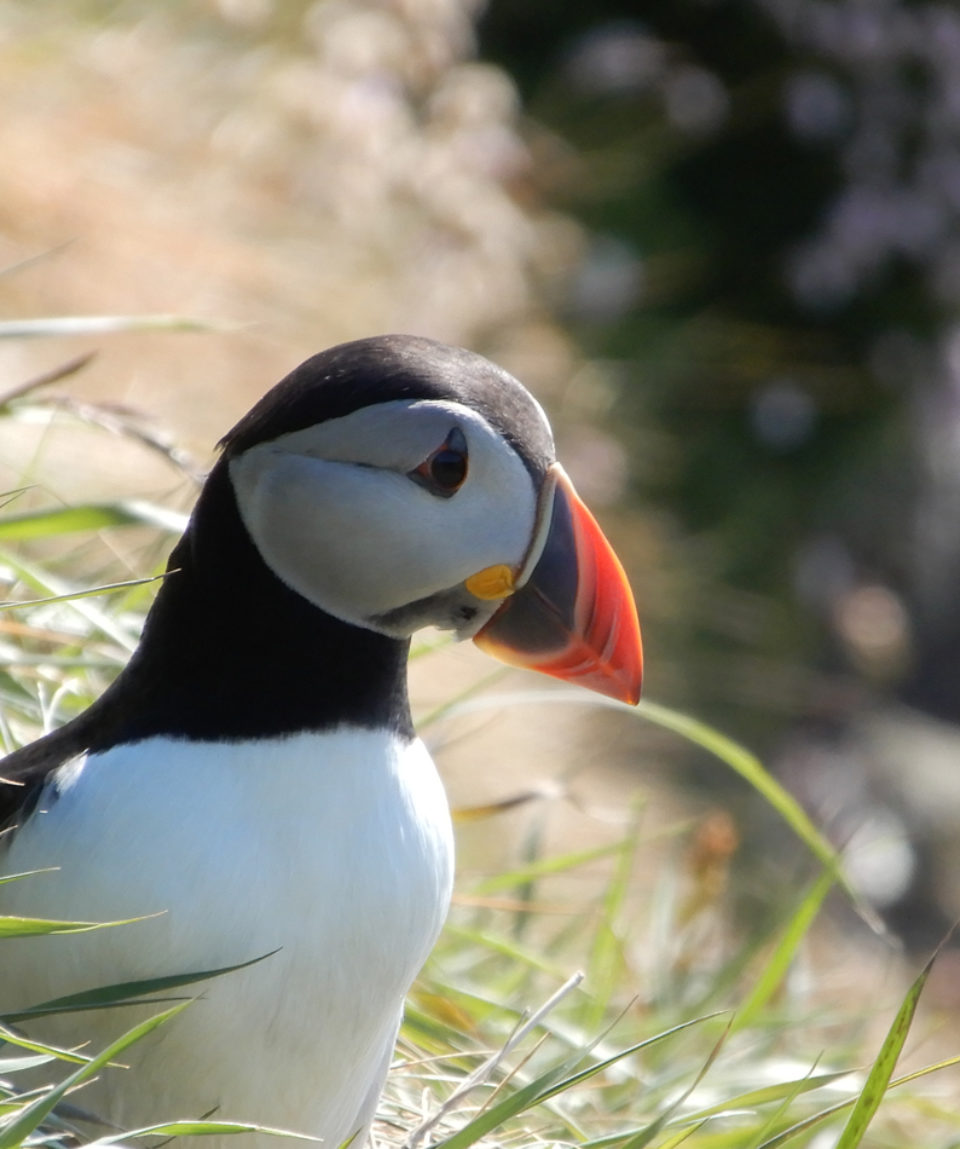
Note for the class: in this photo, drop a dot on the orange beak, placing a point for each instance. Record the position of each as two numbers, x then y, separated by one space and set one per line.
572 615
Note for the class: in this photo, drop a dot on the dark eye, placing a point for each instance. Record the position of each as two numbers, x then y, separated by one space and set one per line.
448 468
444 472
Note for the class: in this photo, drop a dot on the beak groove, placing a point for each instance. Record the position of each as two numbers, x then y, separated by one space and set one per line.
573 615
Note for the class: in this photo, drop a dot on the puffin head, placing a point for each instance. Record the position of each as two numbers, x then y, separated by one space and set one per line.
397 483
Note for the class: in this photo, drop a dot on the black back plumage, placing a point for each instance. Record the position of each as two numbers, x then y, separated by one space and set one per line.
229 652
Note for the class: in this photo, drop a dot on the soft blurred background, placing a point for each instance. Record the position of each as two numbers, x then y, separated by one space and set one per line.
720 241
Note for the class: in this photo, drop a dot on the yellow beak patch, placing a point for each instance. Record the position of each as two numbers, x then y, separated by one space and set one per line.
491 583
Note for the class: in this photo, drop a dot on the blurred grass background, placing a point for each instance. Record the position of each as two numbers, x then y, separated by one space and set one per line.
718 240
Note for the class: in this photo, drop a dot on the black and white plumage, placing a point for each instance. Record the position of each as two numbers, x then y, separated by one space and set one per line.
253 778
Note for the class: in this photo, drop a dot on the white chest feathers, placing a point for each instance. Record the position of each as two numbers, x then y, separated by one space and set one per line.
334 850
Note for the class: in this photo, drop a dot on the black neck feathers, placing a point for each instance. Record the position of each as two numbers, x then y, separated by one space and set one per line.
230 652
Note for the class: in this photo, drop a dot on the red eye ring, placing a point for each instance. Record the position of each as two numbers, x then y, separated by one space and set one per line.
444 472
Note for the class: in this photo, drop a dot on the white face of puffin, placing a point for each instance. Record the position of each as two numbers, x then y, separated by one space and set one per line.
383 517
413 513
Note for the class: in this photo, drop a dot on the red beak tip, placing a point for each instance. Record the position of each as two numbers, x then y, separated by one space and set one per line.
574 617
620 679
622 688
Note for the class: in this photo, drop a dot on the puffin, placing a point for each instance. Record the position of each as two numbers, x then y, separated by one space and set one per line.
251 785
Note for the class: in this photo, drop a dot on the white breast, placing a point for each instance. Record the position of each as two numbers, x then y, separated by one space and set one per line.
334 849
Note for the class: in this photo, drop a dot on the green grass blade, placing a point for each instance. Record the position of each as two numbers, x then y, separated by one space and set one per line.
535 1093
4 878
49 586
18 1064
10 1038
14 927
546 867
780 1115
947 1063
841 1106
682 1135
769 1094
583 1075
878 1080
124 993
773 974
642 1138
194 1129
88 517
62 520
37 1111
554 1081
73 596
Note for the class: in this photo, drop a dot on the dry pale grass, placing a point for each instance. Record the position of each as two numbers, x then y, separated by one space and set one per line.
297 180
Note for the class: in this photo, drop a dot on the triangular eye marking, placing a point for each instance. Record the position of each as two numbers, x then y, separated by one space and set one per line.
444 472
